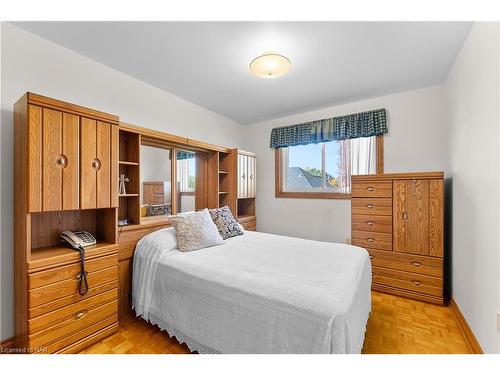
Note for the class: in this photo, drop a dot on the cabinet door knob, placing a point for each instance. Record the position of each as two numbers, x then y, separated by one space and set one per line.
416 264
96 164
61 161
243 176
416 282
404 215
81 314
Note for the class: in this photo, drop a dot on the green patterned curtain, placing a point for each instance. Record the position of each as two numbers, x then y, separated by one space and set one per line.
356 125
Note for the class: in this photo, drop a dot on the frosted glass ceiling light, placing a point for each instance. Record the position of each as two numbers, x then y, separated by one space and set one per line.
270 65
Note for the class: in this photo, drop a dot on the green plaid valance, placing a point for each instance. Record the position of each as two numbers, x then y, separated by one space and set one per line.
356 125
183 155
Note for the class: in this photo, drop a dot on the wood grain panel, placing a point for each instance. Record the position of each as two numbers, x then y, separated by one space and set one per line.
35 158
399 222
372 223
436 218
371 206
417 205
103 154
88 175
70 172
52 149
382 189
89 340
125 277
114 165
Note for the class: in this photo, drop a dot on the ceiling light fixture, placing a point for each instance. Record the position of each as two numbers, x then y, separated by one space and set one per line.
270 65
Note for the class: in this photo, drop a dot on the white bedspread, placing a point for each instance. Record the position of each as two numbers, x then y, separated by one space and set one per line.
257 293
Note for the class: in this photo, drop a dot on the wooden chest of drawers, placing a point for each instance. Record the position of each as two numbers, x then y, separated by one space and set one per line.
248 222
60 319
398 218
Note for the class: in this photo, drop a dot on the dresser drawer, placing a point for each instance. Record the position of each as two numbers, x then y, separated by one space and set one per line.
73 325
409 263
372 223
373 240
68 312
372 190
409 281
71 271
52 292
371 206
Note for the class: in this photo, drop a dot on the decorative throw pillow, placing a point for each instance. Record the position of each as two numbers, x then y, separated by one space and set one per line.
224 220
195 230
158 209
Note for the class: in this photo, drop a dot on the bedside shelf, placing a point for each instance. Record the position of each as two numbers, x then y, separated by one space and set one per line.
223 192
127 163
128 195
44 257
223 172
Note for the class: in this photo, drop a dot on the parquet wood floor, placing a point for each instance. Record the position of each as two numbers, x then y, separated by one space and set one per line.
396 325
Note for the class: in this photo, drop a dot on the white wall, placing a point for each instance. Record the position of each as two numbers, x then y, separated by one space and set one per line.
30 63
472 92
416 142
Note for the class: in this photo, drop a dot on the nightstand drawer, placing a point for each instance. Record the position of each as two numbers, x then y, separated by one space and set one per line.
39 279
68 287
73 324
69 312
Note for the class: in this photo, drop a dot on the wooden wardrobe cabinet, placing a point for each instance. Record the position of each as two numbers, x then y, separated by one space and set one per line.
399 219
65 178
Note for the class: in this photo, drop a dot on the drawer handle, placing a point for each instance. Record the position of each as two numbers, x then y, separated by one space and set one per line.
371 257
416 264
370 206
369 222
370 188
416 282
81 314
370 240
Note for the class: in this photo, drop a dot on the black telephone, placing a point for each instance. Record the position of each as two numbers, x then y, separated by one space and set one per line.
80 240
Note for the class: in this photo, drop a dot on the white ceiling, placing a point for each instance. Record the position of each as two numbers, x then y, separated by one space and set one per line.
207 62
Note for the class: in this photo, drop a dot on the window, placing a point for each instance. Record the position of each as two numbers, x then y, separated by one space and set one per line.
324 170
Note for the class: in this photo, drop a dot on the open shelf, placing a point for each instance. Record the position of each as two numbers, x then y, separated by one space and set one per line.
128 162
128 195
223 172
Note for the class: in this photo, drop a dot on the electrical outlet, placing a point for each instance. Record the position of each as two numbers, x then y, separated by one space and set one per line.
348 241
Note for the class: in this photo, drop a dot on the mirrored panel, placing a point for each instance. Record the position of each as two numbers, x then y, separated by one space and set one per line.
186 181
156 182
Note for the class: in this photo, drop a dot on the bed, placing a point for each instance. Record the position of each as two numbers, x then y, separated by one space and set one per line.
256 293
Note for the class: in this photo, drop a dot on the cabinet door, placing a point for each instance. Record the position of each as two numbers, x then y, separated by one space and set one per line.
242 176
411 216
251 163
70 172
88 171
35 159
51 171
103 164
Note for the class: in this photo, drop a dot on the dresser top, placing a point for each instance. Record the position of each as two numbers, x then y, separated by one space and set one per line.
398 176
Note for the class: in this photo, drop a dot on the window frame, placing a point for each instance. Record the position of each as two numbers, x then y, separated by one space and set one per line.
278 177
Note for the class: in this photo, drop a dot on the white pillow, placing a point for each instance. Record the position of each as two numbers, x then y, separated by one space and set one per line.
195 230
